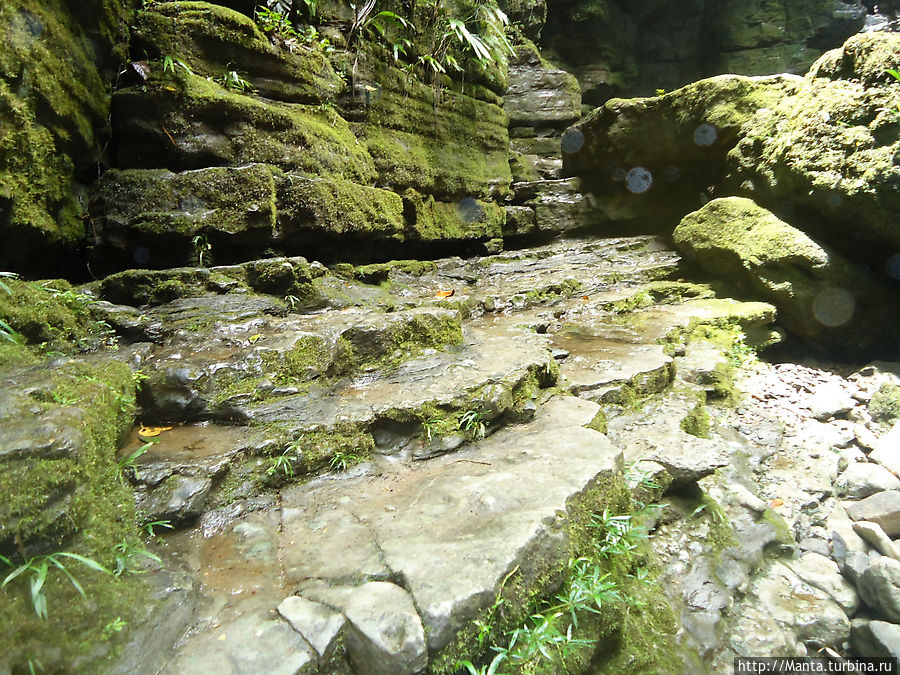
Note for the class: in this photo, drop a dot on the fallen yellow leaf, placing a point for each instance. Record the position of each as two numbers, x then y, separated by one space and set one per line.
444 294
254 338
152 432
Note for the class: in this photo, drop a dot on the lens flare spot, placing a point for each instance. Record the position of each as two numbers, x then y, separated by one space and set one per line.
638 180
572 141
470 210
705 135
833 307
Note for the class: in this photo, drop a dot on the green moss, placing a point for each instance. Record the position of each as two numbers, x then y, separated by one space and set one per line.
696 422
599 422
51 315
159 117
885 404
73 500
214 201
52 97
467 219
207 37
553 292
332 206
783 535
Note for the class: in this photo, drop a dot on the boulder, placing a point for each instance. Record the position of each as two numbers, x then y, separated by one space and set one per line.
863 479
539 93
875 638
653 159
827 150
821 296
882 508
879 587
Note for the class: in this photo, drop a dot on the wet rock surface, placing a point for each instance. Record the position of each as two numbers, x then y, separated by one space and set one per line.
356 479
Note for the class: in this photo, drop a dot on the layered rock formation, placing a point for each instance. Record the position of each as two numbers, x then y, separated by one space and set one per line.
816 151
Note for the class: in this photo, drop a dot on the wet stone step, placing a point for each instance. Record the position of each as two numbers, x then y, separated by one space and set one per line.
399 558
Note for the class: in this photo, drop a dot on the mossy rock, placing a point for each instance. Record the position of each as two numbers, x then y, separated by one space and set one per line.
467 219
188 122
64 493
450 142
313 208
209 38
828 151
155 287
150 216
52 98
865 58
821 297
652 159
49 315
885 404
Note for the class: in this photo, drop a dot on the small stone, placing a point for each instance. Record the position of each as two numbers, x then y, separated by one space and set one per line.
178 498
821 572
319 625
863 479
875 638
873 534
882 508
815 545
854 565
879 587
830 400
385 636
865 439
887 450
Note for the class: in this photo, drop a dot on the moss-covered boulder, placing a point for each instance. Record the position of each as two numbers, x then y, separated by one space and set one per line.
211 39
450 142
185 121
829 151
539 93
314 208
821 296
652 159
150 217
53 99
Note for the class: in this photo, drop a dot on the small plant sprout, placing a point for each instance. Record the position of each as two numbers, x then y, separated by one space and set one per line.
170 63
284 463
342 460
231 79
128 463
127 556
150 528
202 248
472 423
38 569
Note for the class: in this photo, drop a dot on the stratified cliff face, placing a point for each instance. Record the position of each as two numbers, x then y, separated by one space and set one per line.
622 48
54 79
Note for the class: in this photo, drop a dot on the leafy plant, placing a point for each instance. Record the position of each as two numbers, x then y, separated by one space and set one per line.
170 63
127 554
7 275
128 463
38 569
150 528
342 460
489 669
231 79
202 248
284 463
472 423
